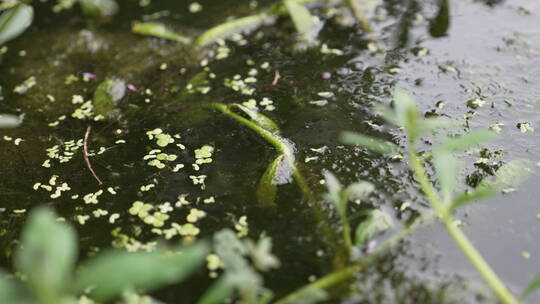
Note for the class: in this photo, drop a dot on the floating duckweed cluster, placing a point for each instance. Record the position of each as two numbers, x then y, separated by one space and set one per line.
266 103
203 155
25 86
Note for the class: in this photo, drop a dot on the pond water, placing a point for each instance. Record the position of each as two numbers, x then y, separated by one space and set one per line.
490 52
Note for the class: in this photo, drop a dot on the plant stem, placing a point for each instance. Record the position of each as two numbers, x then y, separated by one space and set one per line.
359 15
504 295
346 273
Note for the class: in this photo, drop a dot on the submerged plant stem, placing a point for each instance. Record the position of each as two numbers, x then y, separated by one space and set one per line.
504 295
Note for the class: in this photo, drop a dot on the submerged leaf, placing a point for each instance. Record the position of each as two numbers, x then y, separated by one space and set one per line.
301 17
446 168
262 120
229 28
376 222
359 191
370 143
107 94
533 286
466 141
158 30
267 188
113 272
47 254
15 21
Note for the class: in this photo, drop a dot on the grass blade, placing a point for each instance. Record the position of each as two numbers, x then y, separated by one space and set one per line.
466 141
370 143
158 30
229 28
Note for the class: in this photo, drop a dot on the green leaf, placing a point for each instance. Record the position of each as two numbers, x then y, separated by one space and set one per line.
158 30
47 255
113 272
218 292
533 286
446 167
466 141
267 188
370 143
262 120
406 110
335 190
376 222
9 121
359 191
431 124
301 17
107 95
99 8
229 28
509 175
15 21
13 292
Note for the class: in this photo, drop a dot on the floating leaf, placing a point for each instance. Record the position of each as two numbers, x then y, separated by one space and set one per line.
508 176
15 21
533 286
370 143
359 191
376 222
446 168
261 119
99 8
267 188
107 94
229 28
9 121
466 141
47 254
301 17
113 272
158 30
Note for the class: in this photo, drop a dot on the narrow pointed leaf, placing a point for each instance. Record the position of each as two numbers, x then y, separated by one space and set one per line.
262 120
267 188
47 254
466 141
376 222
158 30
218 292
229 28
533 286
446 168
15 21
334 188
431 124
369 143
406 110
301 17
113 272
359 191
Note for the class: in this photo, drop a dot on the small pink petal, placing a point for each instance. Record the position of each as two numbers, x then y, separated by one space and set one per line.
132 87
89 75
371 245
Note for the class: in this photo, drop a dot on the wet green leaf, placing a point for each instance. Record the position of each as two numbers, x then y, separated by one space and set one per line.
301 17
113 272
430 124
446 167
267 188
47 255
15 21
262 120
107 94
466 141
229 28
533 286
376 222
335 189
99 8
158 30
9 121
13 292
369 143
218 292
509 175
406 112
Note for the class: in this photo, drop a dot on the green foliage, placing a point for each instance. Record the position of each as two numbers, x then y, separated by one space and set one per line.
158 30
229 28
267 188
14 21
107 95
262 120
47 259
300 15
369 143
376 222
99 8
532 287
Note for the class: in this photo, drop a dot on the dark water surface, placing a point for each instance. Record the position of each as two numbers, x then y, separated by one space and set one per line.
490 51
